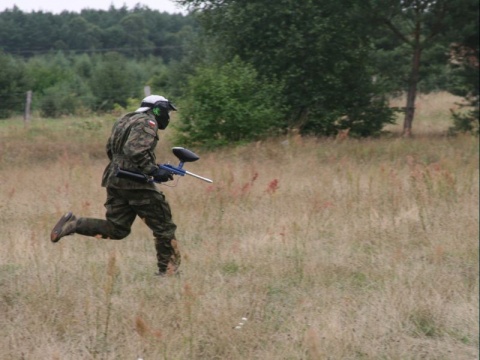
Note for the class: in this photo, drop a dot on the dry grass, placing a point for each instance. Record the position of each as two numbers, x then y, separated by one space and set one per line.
330 250
432 114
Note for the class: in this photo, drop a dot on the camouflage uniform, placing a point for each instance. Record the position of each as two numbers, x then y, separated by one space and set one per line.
131 147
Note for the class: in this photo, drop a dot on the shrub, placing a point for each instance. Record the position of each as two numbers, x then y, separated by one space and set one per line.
12 85
466 122
228 104
65 98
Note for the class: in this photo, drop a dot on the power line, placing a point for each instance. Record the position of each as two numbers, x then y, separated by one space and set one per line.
101 50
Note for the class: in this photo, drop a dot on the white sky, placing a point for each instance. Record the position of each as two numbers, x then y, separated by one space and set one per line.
57 6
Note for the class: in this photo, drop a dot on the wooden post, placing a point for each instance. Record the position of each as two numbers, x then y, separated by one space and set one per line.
147 90
28 103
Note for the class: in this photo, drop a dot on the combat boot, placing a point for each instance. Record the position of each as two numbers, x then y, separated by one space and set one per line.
65 226
168 257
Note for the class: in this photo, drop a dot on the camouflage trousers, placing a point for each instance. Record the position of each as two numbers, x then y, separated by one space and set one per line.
123 206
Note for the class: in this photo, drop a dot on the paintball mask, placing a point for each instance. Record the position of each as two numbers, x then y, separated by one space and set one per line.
160 107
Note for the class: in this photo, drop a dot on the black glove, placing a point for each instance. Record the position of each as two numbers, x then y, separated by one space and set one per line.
161 175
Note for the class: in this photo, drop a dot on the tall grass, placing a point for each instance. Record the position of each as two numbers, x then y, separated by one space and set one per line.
433 115
330 249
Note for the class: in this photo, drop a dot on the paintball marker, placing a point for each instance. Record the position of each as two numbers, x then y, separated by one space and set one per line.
184 155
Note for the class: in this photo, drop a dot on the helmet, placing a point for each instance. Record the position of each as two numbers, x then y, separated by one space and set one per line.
160 108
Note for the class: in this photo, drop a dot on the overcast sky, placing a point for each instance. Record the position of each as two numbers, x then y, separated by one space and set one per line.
57 6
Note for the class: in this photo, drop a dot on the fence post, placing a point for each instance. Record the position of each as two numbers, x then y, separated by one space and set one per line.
28 103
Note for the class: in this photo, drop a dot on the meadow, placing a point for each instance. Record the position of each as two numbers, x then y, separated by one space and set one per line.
301 248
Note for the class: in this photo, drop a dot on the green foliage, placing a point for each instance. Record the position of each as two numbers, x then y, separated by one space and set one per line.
13 85
57 89
64 83
361 119
394 26
466 122
230 268
65 98
202 52
337 61
137 32
464 54
229 104
316 48
73 84
46 71
110 82
81 34
436 34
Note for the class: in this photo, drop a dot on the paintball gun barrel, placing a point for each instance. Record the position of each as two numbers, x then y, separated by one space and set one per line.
184 155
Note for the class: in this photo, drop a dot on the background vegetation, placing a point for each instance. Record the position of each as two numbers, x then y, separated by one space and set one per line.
313 67
333 248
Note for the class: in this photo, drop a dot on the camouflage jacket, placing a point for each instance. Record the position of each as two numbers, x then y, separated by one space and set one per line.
131 146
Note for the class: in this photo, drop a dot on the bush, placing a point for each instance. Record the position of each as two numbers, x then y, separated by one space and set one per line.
228 104
13 85
65 98
466 122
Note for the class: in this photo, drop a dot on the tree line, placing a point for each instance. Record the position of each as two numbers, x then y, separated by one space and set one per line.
246 69
89 61
340 60
136 32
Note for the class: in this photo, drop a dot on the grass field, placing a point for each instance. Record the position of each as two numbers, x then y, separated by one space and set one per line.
320 248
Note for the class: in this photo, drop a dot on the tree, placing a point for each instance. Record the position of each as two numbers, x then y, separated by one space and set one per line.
137 32
81 34
47 70
13 85
113 82
464 61
67 97
417 25
317 48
